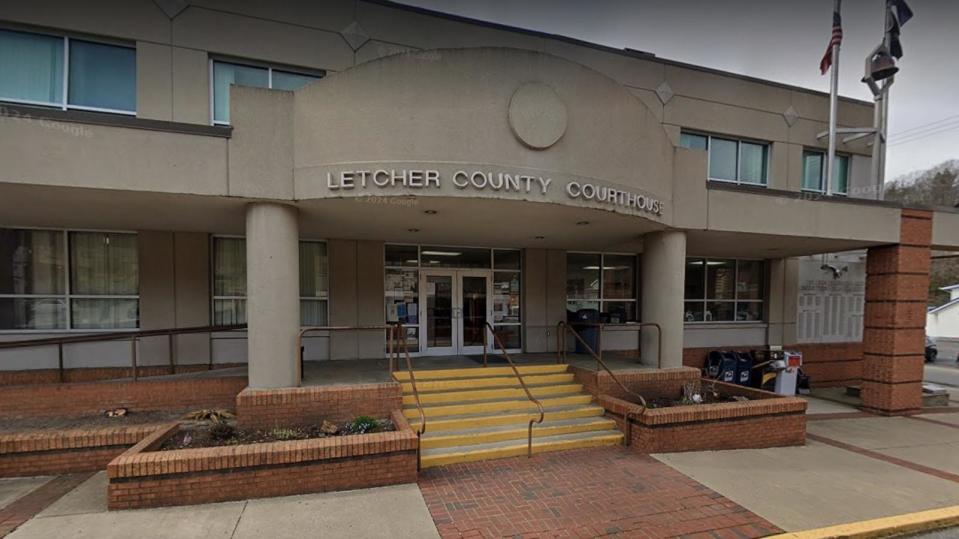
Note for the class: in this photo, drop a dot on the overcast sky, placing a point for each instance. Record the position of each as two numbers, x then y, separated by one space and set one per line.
780 40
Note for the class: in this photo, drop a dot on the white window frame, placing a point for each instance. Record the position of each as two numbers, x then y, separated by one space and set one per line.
64 104
214 298
823 171
739 157
256 65
735 300
67 296
602 299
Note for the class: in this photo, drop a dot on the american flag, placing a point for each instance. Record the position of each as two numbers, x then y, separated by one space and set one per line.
836 39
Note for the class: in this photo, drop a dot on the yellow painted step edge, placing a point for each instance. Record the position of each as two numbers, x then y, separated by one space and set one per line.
429 461
477 372
440 424
497 381
514 434
491 393
909 523
493 406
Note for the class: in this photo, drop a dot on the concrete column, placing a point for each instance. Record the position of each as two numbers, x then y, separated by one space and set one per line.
897 285
663 282
273 294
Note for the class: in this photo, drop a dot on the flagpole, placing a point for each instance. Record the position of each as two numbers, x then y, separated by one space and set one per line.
833 106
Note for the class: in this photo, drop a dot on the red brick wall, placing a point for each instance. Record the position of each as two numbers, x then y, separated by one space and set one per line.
745 433
767 420
86 398
140 478
649 383
52 376
69 451
301 406
897 287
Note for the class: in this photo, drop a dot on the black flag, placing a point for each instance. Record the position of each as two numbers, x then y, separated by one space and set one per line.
899 13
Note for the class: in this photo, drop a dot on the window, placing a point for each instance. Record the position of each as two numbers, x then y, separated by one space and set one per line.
731 160
605 282
224 74
40 69
724 290
814 172
58 280
229 282
507 284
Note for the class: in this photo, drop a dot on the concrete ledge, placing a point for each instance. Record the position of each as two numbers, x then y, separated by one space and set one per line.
142 477
883 527
67 451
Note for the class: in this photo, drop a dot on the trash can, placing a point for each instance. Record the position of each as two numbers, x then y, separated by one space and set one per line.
584 324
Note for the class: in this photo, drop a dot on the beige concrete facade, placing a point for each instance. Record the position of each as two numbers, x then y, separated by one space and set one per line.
436 101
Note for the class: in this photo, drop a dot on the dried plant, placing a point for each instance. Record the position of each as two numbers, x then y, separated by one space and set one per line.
212 415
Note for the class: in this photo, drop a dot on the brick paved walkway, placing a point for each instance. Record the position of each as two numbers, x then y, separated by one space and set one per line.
28 506
583 493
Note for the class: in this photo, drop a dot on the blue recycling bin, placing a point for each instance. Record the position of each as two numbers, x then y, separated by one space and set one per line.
744 368
584 323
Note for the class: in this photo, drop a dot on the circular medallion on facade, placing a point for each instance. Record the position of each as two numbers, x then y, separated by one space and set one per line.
537 115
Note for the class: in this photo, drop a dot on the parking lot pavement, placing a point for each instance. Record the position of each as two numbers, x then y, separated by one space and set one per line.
862 469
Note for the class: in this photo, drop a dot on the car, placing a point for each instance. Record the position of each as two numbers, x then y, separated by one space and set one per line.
931 350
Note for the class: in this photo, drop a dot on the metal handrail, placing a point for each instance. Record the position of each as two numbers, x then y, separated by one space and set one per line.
539 405
398 332
634 326
563 328
389 328
134 337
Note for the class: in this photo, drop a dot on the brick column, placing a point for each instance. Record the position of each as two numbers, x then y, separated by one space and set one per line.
897 286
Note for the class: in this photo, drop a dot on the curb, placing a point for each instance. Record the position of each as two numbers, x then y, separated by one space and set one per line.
883 527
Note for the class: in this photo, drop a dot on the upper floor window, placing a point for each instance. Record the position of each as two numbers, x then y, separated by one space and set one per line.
731 160
724 290
40 69
604 282
814 172
225 74
57 280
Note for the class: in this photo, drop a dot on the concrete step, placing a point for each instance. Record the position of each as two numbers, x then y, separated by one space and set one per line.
492 406
491 381
477 372
476 395
516 431
519 417
442 456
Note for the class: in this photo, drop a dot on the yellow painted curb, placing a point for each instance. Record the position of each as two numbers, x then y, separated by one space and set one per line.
883 527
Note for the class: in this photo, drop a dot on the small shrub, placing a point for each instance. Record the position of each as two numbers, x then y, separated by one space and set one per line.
214 416
222 431
362 424
284 434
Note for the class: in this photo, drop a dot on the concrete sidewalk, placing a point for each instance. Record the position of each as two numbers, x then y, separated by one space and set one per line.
851 469
397 511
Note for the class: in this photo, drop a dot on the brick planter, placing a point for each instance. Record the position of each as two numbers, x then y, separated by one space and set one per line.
143 477
650 383
66 451
766 420
302 406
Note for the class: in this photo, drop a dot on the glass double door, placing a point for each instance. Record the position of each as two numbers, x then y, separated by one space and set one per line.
454 308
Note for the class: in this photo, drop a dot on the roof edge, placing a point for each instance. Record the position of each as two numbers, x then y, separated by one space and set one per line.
632 53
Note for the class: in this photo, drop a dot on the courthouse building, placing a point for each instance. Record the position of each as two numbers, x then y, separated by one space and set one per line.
357 163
